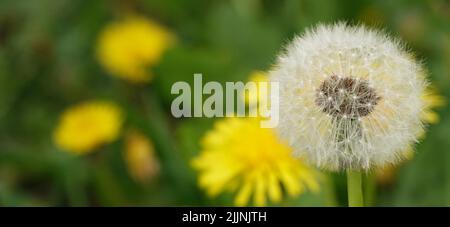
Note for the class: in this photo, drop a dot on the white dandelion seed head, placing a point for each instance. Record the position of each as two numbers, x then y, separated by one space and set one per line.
364 113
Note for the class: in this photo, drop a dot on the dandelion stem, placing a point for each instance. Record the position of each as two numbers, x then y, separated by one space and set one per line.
370 189
354 189
329 189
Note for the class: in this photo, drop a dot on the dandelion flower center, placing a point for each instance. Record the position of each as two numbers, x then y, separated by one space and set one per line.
346 97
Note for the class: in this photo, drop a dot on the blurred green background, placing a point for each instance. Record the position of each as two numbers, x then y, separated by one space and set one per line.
47 63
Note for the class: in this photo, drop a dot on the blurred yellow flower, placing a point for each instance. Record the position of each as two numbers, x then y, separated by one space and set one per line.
386 175
238 156
254 95
127 48
432 100
85 126
140 157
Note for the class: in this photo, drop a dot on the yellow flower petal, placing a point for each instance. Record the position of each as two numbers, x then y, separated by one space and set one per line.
274 189
260 190
243 195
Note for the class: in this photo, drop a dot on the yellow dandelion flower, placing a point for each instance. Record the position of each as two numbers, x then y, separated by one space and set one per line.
127 48
255 96
140 157
385 176
239 156
432 100
84 127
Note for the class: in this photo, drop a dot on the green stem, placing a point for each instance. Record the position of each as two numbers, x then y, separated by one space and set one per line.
354 189
370 189
330 193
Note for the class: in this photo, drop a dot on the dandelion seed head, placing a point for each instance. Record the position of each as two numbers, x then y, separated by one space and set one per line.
360 103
